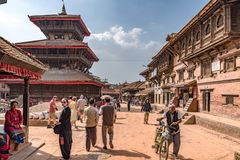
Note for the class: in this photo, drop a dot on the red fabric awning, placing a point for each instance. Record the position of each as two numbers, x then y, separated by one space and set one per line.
17 72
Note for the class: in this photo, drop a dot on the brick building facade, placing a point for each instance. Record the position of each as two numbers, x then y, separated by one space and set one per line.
199 67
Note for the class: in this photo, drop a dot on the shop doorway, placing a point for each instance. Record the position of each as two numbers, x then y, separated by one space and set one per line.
206 100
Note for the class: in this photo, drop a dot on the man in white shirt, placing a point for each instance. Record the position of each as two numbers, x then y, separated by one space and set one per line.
91 117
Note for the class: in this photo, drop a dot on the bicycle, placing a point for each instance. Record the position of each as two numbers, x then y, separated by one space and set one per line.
166 140
158 135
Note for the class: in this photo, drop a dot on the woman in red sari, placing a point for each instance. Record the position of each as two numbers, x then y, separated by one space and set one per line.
13 121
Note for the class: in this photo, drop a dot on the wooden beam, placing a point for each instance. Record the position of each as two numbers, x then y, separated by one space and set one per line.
26 106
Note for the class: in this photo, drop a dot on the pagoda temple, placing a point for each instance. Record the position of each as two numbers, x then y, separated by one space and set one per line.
67 56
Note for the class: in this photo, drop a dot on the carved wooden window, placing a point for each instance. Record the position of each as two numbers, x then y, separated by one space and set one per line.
59 23
183 46
3 85
230 100
207 29
198 36
181 75
168 79
163 81
59 36
220 21
191 74
189 41
206 68
230 64
173 79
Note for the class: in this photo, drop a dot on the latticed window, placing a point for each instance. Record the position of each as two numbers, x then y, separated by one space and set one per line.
3 85
230 64
183 46
198 36
206 68
181 75
168 79
173 79
191 74
230 100
189 41
207 29
220 21
59 36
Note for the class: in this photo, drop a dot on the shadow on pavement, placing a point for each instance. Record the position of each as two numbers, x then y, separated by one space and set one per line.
184 158
124 153
84 156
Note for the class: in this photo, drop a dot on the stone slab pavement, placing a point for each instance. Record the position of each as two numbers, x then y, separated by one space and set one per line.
133 141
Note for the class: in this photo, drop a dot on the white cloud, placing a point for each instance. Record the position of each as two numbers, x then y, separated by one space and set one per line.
153 44
126 39
102 36
15 24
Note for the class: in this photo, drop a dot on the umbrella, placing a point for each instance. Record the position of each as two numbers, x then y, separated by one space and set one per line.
106 96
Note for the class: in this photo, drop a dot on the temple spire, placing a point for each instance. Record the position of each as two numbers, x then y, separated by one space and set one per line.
63 9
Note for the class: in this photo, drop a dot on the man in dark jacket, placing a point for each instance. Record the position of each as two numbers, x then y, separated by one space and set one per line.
65 137
173 118
129 104
146 108
108 114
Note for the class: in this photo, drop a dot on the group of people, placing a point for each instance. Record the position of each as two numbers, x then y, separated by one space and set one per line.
90 114
77 107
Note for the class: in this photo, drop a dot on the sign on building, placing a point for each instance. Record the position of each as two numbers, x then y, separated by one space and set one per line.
216 66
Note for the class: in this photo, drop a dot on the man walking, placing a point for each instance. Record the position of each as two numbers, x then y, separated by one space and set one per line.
52 112
108 114
129 104
173 118
146 108
81 103
91 117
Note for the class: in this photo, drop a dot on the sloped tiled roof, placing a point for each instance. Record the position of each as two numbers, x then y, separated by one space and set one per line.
65 75
109 91
35 18
59 43
13 56
146 91
134 86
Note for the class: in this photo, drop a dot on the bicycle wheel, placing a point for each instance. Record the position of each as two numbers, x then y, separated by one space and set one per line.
163 150
157 139
156 147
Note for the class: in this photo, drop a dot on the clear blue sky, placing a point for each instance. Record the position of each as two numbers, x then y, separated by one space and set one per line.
125 33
